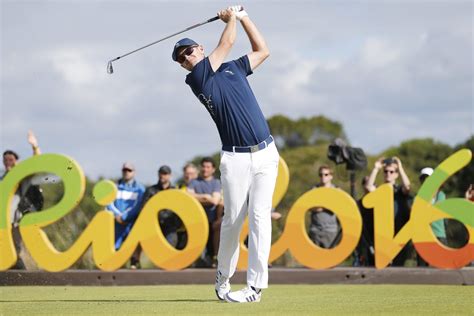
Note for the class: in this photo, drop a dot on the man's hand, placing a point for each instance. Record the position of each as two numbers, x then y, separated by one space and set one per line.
238 11
379 163
119 220
276 215
398 162
207 198
226 15
216 224
405 181
33 142
32 139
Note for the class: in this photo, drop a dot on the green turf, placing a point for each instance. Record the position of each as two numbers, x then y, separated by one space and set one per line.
200 299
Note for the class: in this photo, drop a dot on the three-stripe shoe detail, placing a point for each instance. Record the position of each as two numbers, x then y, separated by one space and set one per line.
246 295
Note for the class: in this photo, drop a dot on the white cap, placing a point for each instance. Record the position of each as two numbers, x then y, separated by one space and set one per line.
128 165
427 171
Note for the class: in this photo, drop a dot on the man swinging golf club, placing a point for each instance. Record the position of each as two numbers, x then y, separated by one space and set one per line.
249 158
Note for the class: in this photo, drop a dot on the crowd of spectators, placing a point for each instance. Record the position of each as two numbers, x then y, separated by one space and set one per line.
324 228
403 199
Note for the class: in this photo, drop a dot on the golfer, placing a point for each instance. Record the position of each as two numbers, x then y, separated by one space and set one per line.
249 158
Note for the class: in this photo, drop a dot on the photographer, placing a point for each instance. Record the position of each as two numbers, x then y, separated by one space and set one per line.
393 168
28 197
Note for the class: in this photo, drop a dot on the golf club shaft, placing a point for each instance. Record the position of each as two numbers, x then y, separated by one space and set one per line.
169 36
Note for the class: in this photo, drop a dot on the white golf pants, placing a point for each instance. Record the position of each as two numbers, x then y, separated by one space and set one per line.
248 182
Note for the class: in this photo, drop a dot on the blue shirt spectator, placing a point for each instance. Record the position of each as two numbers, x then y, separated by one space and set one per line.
127 203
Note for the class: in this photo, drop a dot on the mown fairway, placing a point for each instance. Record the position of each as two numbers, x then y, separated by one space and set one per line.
200 299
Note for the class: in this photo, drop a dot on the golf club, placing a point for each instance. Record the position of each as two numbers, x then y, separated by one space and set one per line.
110 69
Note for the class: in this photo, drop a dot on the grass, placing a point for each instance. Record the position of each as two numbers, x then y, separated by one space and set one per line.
200 299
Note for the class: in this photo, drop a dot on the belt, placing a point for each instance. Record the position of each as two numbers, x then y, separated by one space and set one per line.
249 149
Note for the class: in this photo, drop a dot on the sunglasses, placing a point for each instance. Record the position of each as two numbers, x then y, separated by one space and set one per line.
127 170
389 171
188 51
324 174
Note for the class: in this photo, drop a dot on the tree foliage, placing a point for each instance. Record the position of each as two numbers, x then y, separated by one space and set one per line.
304 131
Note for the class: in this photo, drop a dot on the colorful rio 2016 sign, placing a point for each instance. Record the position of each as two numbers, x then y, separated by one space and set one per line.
146 231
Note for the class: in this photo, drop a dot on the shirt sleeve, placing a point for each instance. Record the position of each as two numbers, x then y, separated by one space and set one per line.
243 64
111 207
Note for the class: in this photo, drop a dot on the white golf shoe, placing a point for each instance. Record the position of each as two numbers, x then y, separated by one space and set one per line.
222 286
246 295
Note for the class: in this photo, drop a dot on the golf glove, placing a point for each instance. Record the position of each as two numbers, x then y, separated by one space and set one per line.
238 11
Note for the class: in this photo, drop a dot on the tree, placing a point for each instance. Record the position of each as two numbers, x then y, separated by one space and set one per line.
305 131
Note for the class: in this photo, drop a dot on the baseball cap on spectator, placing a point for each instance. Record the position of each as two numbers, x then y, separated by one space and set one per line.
181 43
128 166
164 170
426 171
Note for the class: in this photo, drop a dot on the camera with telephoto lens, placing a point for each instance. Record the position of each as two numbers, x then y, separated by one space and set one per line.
340 153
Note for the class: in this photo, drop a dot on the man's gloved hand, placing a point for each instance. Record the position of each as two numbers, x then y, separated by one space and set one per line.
238 11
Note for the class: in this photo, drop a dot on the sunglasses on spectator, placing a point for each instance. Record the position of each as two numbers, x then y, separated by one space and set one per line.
324 174
389 171
188 51
127 170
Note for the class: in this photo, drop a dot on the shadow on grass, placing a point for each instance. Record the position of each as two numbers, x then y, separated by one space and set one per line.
112 301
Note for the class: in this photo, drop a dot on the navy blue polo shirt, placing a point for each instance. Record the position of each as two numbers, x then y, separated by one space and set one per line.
227 96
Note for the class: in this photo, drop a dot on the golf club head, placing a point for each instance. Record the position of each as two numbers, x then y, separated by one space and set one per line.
110 69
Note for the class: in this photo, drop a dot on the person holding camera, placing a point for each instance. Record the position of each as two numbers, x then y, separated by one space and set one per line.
28 197
402 199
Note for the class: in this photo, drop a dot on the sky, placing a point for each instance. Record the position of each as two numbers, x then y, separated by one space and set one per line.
387 70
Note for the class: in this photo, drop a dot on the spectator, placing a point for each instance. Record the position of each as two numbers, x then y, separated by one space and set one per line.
392 168
438 227
207 190
469 195
190 172
216 229
126 205
169 221
10 158
364 253
324 229
28 197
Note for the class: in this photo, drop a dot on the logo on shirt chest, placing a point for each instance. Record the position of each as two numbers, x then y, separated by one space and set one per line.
207 103
229 72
